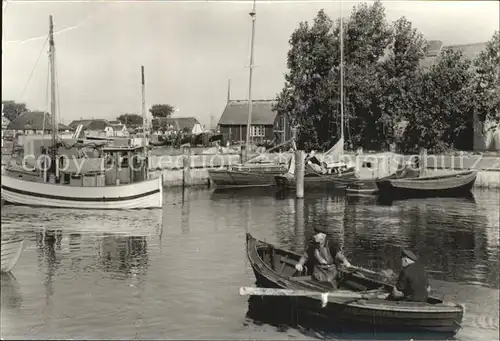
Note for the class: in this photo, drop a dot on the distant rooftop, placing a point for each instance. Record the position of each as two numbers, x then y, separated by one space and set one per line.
236 112
436 47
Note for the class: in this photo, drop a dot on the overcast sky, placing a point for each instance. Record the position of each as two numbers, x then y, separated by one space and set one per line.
189 49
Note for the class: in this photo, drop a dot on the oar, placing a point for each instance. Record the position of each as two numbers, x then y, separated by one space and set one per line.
375 273
254 291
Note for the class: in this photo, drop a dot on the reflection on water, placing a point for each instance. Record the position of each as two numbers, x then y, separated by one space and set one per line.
123 255
175 273
11 293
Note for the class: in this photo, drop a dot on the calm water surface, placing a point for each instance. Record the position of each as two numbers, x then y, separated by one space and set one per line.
175 273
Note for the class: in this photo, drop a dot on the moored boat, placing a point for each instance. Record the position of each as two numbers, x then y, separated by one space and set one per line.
369 186
144 194
455 184
11 251
246 175
338 178
275 268
317 175
121 181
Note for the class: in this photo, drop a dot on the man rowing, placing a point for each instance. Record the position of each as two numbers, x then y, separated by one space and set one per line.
325 256
412 284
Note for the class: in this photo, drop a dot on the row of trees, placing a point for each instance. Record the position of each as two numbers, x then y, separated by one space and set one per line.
157 111
385 85
12 110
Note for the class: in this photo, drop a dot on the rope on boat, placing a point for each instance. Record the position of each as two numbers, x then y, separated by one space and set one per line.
34 67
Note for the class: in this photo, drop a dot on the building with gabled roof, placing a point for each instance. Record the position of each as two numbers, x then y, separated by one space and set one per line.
267 124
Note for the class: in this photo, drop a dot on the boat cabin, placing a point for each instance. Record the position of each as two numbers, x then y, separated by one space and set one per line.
119 165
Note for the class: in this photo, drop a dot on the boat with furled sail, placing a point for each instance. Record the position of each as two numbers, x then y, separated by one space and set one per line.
252 172
118 180
319 174
330 170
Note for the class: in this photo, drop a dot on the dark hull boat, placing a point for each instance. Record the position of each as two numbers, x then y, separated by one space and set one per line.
369 186
317 180
274 268
447 185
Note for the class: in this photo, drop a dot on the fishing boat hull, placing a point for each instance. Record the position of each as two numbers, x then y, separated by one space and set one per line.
449 185
369 186
317 181
274 268
246 176
144 194
11 251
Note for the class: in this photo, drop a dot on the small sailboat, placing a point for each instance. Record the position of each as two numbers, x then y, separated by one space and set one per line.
11 251
328 171
250 173
318 174
122 181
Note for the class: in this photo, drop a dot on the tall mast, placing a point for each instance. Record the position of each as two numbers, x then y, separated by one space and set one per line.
341 75
52 51
144 125
249 123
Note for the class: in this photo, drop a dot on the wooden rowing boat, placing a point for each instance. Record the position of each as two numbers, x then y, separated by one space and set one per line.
11 251
369 186
275 268
246 175
457 184
317 180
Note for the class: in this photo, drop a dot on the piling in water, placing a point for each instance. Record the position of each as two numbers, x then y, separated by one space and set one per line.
243 154
423 161
186 169
299 173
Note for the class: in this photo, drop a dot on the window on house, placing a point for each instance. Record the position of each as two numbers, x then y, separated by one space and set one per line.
257 131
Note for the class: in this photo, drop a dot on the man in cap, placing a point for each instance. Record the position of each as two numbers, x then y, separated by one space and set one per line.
324 256
412 284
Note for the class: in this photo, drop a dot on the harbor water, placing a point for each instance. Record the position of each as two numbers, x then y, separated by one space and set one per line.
176 272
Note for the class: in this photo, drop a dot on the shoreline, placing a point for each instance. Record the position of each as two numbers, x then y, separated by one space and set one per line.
172 166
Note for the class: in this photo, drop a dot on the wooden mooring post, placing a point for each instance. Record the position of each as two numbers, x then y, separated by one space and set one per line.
186 167
422 162
243 154
299 173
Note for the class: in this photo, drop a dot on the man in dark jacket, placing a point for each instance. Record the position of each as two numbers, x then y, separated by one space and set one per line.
324 256
412 284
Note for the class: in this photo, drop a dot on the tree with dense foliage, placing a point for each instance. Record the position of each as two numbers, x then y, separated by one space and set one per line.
486 83
310 97
368 37
399 70
161 110
443 105
384 85
12 110
130 120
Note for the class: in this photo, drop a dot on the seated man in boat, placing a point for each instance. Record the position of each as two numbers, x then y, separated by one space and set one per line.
324 256
412 284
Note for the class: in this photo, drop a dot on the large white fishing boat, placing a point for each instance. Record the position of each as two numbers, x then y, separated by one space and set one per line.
120 182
